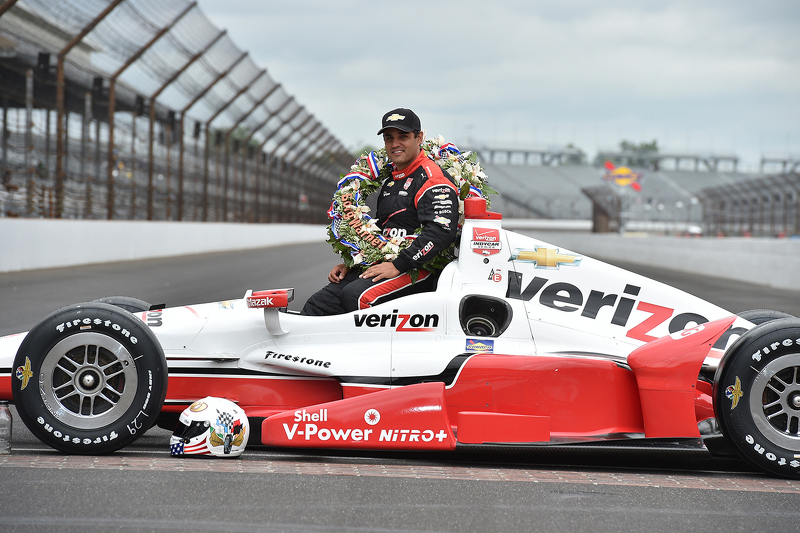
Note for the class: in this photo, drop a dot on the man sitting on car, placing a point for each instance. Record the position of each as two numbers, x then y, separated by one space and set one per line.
405 202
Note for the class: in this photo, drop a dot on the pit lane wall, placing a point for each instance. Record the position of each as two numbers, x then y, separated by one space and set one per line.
28 244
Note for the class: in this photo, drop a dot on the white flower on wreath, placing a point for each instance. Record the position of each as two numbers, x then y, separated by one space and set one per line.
372 225
391 257
358 258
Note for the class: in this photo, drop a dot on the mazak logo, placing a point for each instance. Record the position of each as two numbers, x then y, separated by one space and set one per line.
568 298
400 322
486 241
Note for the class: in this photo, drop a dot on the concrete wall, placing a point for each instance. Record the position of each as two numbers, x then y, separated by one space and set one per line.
770 262
27 244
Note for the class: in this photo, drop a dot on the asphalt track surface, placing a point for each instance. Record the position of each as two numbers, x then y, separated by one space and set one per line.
142 488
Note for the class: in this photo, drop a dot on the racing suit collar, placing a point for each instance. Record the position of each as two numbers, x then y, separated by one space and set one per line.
400 174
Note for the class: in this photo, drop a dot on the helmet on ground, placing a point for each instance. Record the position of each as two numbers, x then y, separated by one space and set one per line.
211 426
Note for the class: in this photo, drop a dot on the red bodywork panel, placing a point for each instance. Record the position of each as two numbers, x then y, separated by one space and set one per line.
266 393
580 396
666 370
405 418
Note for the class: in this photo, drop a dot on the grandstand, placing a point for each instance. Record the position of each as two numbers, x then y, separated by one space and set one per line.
669 200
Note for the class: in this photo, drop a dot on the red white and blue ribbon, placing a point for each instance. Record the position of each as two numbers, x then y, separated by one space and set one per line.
448 147
372 161
352 175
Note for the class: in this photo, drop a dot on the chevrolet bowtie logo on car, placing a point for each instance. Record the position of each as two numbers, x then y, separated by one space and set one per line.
545 257
395 117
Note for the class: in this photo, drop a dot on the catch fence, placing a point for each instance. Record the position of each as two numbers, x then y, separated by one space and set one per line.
143 109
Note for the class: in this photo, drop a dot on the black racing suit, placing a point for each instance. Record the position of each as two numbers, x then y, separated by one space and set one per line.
419 195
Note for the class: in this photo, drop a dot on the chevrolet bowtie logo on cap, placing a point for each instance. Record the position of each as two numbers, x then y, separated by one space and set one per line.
402 119
545 257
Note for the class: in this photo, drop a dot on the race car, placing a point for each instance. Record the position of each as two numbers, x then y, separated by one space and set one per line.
522 344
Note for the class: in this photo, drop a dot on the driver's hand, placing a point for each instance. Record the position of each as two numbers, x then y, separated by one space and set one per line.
381 271
338 273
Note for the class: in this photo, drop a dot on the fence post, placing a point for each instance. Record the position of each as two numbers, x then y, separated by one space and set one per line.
85 123
61 135
151 162
29 141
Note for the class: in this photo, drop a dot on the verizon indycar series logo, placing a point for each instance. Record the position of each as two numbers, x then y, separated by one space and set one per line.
486 241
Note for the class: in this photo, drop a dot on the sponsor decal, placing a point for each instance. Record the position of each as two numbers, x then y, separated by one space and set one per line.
75 440
400 322
198 406
24 373
568 298
442 190
441 197
80 323
227 304
402 193
441 220
623 176
390 184
154 319
259 302
424 251
394 117
296 359
314 432
774 346
372 417
386 193
408 183
496 275
486 241
478 345
771 456
734 392
304 416
391 233
545 257
442 202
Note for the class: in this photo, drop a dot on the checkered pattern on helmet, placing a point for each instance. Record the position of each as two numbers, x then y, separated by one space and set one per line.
224 419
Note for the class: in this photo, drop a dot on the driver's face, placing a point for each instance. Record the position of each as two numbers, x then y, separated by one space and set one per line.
402 147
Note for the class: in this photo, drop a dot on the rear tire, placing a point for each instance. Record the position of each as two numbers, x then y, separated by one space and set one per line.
757 396
762 316
131 305
91 379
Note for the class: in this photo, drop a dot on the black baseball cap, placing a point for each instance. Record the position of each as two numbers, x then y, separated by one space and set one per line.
401 118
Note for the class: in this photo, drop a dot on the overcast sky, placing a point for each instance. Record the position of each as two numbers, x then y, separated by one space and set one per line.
697 76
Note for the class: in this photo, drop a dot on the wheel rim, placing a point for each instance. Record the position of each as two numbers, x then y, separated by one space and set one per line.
775 401
88 380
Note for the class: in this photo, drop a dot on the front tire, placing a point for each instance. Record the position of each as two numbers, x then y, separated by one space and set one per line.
91 379
757 396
